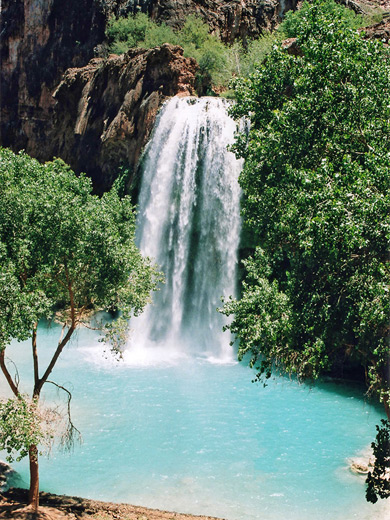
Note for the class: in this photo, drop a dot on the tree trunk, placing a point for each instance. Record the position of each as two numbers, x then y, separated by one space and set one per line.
386 398
387 407
33 497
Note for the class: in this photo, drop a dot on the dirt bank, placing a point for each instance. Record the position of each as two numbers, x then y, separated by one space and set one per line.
60 507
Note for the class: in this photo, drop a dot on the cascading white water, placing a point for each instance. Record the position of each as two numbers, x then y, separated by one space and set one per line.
189 223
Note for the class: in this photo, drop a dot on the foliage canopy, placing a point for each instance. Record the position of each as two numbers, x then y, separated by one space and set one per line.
317 198
64 254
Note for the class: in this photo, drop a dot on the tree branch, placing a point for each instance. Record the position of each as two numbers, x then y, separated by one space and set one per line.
71 297
62 342
68 438
53 361
7 375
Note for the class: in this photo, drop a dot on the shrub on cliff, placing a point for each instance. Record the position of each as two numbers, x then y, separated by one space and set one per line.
294 20
210 53
137 31
218 63
208 50
317 197
255 52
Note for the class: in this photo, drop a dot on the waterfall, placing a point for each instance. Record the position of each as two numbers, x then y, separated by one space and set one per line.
189 222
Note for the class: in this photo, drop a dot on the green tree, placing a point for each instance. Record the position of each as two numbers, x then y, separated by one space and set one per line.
64 253
293 20
317 199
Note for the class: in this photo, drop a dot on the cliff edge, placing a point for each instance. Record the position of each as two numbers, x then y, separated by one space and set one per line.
57 99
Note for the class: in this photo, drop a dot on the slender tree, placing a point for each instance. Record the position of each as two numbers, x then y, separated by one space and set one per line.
316 180
64 254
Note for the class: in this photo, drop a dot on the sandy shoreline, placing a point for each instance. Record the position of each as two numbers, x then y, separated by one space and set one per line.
61 507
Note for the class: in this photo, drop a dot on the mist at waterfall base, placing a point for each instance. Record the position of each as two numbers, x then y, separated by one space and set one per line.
178 424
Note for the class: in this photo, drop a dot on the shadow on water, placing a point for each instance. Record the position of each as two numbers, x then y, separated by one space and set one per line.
345 388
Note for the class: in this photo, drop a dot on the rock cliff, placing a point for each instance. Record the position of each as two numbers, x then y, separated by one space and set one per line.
104 112
379 31
39 40
231 19
41 111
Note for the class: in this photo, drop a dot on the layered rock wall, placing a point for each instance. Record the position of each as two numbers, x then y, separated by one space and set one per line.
41 39
231 19
105 111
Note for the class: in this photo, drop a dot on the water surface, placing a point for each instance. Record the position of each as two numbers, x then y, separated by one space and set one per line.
200 438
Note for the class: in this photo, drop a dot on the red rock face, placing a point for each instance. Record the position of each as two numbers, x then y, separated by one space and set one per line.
105 111
99 116
379 31
40 39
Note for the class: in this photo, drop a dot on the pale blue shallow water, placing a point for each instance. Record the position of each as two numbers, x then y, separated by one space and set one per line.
201 438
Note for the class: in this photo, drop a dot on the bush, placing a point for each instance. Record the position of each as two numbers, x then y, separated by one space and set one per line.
157 35
194 33
294 21
256 52
137 31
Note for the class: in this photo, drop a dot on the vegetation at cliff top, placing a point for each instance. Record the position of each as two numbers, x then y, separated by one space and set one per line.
218 62
334 11
211 54
64 253
317 198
